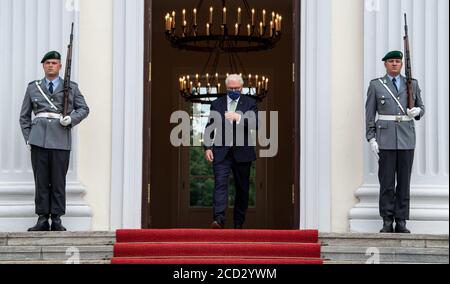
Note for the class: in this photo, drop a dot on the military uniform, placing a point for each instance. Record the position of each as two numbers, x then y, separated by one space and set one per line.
390 126
50 142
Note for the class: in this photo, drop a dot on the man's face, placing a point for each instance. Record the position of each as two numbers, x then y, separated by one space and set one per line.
394 67
52 67
234 86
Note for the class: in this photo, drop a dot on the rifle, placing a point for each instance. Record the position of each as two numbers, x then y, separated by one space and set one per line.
408 68
68 73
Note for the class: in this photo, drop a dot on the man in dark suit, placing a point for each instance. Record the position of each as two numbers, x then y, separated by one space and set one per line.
228 146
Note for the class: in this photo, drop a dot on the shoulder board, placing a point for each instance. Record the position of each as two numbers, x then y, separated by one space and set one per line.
33 82
377 79
73 83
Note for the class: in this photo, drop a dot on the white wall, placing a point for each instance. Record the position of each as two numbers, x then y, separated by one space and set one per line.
96 84
347 114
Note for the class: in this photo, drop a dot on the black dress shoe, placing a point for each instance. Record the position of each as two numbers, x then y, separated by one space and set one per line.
238 227
388 225
57 224
400 227
217 225
42 224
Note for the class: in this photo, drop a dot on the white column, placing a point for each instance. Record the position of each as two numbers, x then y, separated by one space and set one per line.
315 78
28 29
429 36
128 109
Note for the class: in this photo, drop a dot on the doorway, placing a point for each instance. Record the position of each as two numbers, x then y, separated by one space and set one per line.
178 182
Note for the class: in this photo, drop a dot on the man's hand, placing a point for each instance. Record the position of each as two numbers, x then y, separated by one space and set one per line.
209 156
232 117
414 112
65 121
375 148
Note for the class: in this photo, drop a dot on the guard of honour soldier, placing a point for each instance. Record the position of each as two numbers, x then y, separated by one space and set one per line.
392 138
48 137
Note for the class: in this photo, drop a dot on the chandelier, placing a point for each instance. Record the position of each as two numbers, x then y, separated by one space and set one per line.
226 32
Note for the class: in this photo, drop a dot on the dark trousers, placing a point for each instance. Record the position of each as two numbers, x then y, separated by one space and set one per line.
395 166
50 168
241 174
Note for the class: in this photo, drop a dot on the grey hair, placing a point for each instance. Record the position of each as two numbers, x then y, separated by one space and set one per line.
234 77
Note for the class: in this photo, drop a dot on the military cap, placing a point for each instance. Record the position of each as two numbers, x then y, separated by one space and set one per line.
51 55
393 55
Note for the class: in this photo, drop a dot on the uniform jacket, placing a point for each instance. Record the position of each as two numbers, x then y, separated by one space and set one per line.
49 133
391 135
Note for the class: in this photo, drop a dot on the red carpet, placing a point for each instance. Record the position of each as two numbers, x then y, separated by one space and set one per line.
217 247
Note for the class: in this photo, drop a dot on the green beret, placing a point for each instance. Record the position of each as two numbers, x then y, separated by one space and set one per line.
393 55
51 55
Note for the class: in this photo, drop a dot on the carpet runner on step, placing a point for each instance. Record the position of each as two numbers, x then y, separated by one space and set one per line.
217 247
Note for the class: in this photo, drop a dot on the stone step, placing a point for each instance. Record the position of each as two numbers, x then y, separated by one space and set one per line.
46 262
55 253
385 254
58 239
365 263
385 240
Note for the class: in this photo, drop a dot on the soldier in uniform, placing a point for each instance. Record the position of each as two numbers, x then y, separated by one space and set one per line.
48 136
392 138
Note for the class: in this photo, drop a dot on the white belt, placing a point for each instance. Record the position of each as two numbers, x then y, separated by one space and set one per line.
48 115
398 118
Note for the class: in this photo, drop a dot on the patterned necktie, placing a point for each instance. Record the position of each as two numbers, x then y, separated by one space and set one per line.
233 106
50 87
395 84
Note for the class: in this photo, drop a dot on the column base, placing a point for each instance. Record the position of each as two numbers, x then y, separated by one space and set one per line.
416 227
17 209
429 212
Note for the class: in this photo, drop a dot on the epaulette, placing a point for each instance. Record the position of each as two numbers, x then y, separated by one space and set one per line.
33 82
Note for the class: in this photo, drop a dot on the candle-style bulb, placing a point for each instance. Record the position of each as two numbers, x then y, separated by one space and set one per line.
239 16
264 18
224 15
211 15
253 17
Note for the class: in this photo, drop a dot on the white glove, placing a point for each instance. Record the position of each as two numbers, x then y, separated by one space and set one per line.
65 121
375 148
414 112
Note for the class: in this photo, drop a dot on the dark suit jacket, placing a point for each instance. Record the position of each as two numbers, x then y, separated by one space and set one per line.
247 106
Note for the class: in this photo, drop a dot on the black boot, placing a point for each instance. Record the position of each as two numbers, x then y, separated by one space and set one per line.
400 227
388 225
57 224
42 224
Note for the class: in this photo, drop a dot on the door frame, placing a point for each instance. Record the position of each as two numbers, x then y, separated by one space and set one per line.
147 137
